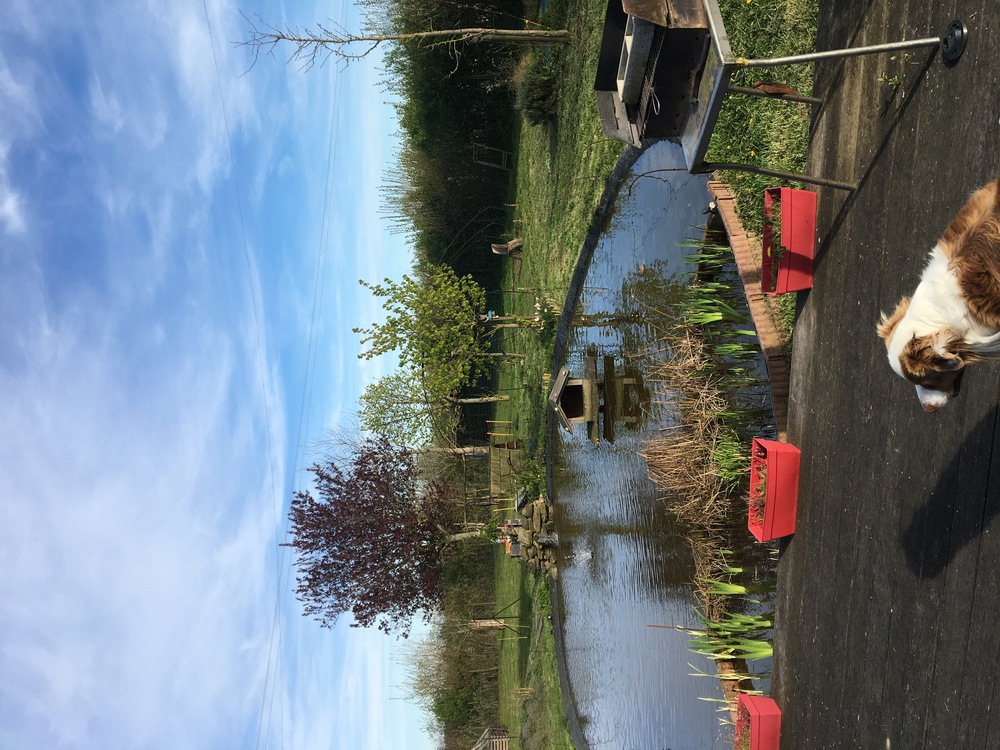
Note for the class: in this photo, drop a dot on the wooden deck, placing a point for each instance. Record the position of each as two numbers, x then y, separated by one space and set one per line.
888 591
748 264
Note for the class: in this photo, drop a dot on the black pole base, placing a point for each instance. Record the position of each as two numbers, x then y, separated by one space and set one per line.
953 42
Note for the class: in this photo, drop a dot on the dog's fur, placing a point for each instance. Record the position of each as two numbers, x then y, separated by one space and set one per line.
953 318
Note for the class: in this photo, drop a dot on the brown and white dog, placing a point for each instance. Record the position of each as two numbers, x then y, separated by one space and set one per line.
953 317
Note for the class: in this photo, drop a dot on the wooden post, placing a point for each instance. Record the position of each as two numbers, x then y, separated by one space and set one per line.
490 624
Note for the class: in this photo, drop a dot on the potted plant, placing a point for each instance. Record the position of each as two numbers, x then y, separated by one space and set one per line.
774 489
789 240
758 723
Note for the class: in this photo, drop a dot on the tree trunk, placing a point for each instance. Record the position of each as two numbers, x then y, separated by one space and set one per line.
452 538
469 450
317 44
479 400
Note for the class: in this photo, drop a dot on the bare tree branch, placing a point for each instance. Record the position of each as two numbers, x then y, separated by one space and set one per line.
322 42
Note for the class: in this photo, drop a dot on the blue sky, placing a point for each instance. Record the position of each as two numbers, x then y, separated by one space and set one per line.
180 245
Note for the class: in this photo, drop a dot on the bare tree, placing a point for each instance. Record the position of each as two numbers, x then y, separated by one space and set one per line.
319 43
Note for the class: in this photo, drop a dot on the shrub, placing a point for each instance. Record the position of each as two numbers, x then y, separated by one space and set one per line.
535 91
453 707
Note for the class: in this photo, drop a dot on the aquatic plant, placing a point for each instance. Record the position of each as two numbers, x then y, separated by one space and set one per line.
735 636
711 384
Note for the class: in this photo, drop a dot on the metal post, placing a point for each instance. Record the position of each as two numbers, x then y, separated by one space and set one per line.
833 54
952 43
717 166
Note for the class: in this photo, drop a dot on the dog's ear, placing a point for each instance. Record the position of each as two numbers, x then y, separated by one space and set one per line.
924 355
957 347
888 323
949 352
947 362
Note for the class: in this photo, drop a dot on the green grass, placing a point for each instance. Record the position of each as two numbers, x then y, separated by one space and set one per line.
759 131
513 601
544 707
766 132
530 693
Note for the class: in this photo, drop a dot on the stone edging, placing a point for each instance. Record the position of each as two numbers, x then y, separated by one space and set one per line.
748 264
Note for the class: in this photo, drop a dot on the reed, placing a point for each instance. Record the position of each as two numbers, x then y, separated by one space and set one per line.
734 637
700 463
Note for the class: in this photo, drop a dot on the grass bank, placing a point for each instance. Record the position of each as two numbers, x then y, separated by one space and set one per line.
562 167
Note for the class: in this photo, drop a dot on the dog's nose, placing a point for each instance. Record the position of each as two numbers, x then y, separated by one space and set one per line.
930 408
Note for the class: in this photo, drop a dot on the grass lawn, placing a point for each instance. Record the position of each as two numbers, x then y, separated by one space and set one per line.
530 695
562 167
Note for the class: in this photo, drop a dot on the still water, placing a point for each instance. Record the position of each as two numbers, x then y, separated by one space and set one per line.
624 565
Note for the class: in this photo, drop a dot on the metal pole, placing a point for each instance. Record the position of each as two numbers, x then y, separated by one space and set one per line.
723 166
933 41
748 91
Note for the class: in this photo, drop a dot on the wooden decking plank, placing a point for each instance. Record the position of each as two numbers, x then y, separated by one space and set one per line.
748 265
959 636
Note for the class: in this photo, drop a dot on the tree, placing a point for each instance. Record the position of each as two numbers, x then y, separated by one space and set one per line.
432 325
398 407
318 44
370 541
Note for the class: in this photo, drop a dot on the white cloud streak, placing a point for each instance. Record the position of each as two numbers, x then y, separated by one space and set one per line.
146 479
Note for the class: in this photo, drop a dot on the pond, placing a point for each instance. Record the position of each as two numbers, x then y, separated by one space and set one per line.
624 567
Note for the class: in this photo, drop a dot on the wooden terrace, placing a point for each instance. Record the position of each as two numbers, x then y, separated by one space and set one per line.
887 593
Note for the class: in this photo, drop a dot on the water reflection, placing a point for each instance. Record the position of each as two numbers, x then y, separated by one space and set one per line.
624 564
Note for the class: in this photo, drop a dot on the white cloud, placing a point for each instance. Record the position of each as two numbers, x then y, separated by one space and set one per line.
130 575
19 113
12 211
145 476
106 108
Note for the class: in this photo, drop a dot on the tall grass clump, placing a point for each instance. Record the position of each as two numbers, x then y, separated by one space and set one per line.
712 387
535 89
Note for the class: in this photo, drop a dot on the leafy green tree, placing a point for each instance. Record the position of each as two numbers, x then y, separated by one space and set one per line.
399 407
432 325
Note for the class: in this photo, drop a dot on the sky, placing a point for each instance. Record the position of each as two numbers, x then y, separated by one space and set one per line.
181 237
